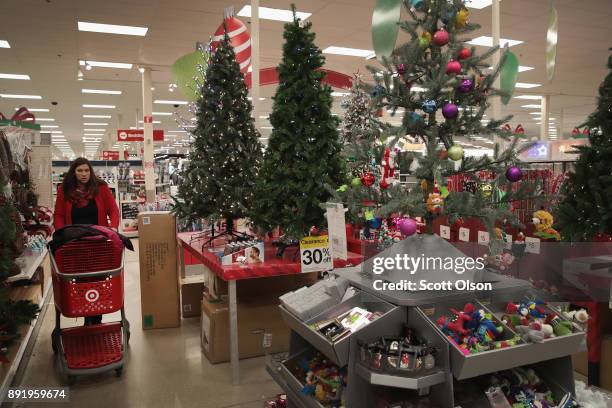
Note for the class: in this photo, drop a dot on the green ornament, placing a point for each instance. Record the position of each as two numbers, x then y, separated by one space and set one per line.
385 26
342 188
368 215
455 152
508 76
185 69
444 192
356 182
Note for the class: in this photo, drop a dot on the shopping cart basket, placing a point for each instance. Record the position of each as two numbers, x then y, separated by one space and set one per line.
87 279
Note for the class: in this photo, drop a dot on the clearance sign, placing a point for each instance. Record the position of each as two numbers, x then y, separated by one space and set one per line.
316 254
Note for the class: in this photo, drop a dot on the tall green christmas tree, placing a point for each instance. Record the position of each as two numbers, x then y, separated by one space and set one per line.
444 89
226 151
12 313
303 154
586 210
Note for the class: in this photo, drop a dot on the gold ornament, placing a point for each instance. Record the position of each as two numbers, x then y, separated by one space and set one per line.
462 18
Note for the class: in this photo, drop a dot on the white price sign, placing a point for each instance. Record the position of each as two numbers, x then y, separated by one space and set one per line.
445 231
464 234
533 245
316 254
483 238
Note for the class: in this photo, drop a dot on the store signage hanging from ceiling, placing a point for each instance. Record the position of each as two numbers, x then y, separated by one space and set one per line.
137 135
110 155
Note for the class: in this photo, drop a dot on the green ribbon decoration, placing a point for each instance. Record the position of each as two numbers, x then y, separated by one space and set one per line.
551 43
185 70
508 76
385 26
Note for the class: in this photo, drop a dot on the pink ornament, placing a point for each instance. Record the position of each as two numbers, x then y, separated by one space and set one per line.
453 67
407 226
441 38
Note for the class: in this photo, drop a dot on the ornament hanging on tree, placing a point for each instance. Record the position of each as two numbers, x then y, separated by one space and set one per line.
450 111
342 188
425 39
443 155
378 91
453 67
239 39
401 69
415 117
486 190
461 18
356 182
441 38
388 163
455 152
514 174
429 106
367 179
465 53
435 202
407 226
387 237
466 86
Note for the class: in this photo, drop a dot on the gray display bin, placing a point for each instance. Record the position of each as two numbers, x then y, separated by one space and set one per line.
338 352
416 382
294 385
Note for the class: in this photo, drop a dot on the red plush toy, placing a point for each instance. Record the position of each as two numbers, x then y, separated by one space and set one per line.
454 325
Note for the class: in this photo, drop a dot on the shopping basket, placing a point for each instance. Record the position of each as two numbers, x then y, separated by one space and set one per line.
87 279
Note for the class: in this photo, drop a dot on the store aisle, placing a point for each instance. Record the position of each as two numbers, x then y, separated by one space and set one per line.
165 368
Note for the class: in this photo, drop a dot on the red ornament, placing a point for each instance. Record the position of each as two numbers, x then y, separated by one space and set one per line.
383 184
441 38
367 179
239 38
465 53
443 154
453 67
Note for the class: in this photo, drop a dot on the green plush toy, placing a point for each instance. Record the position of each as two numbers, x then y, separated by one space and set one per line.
560 327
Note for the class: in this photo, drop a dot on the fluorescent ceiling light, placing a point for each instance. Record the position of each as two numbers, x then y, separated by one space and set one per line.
36 110
166 102
103 64
532 97
526 85
16 96
94 130
162 113
486 41
100 91
154 122
99 106
536 113
112 29
267 13
523 68
532 106
97 116
15 76
57 132
45 120
95 124
177 131
260 98
478 4
93 134
4 44
353 52
49 126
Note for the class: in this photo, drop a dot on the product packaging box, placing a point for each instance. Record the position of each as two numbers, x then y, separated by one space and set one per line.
258 325
580 363
159 286
191 299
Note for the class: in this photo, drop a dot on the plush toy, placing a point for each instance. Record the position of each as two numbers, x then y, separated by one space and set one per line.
580 316
513 320
543 221
488 331
560 327
435 202
535 332
454 326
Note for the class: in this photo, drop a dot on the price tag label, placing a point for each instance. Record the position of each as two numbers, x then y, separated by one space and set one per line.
464 234
483 238
445 231
532 245
508 241
316 254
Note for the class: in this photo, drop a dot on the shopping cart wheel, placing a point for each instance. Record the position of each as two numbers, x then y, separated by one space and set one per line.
119 371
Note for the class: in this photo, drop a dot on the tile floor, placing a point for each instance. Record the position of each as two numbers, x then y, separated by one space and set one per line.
166 368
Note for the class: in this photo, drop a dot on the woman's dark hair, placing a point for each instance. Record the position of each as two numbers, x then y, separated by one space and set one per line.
70 182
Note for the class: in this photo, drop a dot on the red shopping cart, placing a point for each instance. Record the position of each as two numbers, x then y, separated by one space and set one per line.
87 279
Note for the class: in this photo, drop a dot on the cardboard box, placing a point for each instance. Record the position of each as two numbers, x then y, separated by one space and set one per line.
159 286
580 363
257 323
273 287
191 299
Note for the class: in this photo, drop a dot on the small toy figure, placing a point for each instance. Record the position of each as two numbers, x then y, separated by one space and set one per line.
454 326
560 327
543 221
435 202
581 316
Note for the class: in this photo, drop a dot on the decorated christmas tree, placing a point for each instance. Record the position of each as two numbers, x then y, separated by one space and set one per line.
226 152
444 90
303 154
12 313
586 210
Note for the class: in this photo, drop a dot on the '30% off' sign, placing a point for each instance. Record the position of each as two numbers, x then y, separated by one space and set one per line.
315 254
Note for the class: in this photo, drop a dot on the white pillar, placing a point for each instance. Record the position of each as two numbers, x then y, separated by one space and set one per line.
496 34
545 111
255 61
561 125
147 160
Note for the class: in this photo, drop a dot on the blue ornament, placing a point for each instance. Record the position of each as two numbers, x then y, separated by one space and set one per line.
430 106
378 91
417 4
375 223
415 117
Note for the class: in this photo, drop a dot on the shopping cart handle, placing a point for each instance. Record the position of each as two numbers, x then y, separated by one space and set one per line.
69 276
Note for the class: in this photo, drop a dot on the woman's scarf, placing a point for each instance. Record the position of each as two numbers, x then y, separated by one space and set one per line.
82 196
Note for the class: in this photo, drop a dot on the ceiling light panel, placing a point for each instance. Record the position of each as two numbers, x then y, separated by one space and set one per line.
97 116
36 109
112 29
167 102
95 124
100 91
104 64
15 76
353 52
486 41
17 96
45 120
478 4
94 130
267 13
526 85
98 106
531 97
4 44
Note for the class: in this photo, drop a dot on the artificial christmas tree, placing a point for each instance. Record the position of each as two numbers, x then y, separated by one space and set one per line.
586 210
444 90
303 154
226 152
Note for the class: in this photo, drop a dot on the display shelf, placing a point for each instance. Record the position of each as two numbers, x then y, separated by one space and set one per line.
30 263
417 382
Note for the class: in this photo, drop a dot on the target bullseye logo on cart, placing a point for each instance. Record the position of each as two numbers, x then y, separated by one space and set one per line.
92 295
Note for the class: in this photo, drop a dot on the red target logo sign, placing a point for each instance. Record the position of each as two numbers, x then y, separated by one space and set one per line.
92 295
